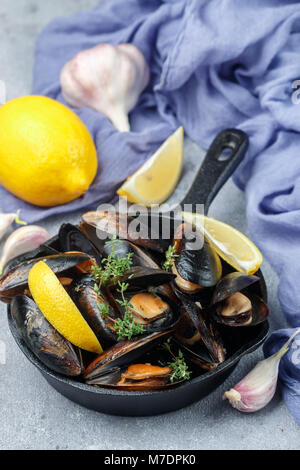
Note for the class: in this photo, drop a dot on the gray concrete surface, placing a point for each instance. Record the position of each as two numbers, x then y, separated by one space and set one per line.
32 415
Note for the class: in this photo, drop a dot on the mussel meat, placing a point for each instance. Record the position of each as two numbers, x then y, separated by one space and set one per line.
156 313
235 302
242 310
144 377
42 339
138 377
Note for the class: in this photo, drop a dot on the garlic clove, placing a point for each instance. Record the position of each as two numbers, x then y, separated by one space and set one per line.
109 79
258 388
21 241
6 221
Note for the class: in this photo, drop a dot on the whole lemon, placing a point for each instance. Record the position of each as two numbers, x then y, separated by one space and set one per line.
47 155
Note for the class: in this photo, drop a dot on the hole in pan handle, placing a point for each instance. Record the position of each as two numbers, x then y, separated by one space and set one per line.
222 158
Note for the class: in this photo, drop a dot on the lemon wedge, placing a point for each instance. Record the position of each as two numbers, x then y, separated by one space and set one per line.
59 309
233 246
156 180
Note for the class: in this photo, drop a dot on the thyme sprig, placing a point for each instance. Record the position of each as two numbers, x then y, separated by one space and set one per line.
127 327
104 310
113 267
171 254
180 370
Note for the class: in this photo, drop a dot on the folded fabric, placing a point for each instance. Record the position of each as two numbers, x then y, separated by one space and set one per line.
214 64
289 368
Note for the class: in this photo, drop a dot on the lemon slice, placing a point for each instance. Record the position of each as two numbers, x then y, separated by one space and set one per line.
233 246
59 309
156 180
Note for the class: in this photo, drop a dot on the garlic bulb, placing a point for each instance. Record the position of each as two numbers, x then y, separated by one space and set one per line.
109 79
21 241
257 389
6 220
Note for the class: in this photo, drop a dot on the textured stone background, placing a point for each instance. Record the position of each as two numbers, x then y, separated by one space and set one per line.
32 415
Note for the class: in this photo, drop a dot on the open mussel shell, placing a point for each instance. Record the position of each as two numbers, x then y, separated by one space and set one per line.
198 265
15 281
138 377
143 277
156 313
73 239
199 356
140 258
121 248
123 353
231 284
108 379
241 310
87 301
124 227
42 339
199 336
235 301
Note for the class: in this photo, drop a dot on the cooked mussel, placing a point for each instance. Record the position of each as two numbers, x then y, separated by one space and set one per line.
42 339
199 337
121 354
242 310
144 377
156 313
236 303
73 239
123 226
152 275
88 301
121 248
138 377
15 281
143 277
195 267
232 283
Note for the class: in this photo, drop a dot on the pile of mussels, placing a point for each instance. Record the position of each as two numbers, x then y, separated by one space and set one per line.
199 308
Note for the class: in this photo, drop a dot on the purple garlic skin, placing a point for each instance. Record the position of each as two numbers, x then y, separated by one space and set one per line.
109 79
6 221
258 388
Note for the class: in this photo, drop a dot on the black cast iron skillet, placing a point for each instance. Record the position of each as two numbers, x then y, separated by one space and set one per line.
221 160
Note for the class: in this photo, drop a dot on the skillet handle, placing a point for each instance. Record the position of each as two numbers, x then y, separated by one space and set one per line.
222 158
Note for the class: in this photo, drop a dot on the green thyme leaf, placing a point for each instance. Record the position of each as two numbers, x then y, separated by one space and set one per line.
126 327
180 370
113 267
104 310
171 254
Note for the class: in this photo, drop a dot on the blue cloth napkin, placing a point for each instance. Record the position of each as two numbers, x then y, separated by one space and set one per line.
289 368
214 64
